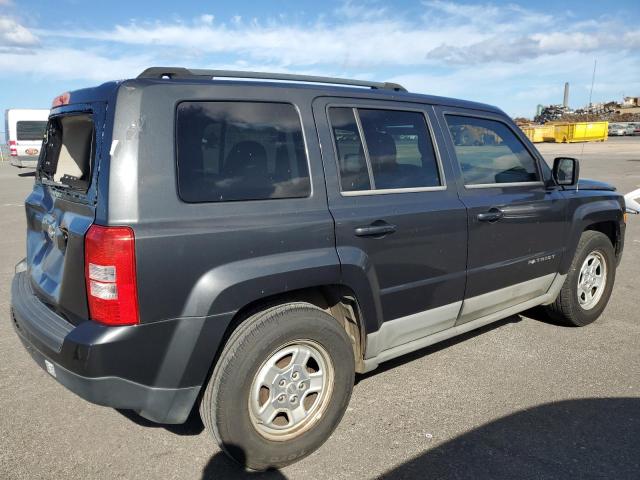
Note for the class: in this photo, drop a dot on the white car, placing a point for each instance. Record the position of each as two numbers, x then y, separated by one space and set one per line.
25 130
618 130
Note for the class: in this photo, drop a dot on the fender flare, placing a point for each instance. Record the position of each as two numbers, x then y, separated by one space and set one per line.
229 287
360 276
604 210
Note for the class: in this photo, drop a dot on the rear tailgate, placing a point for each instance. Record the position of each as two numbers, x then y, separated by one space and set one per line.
62 207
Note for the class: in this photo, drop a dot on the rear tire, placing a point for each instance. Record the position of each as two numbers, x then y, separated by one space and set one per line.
280 386
589 282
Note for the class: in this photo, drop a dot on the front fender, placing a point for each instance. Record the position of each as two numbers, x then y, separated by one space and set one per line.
227 288
588 211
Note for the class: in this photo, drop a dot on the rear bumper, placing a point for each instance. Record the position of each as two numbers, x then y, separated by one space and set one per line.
162 405
156 369
21 162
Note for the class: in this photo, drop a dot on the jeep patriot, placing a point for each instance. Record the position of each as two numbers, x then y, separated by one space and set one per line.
243 243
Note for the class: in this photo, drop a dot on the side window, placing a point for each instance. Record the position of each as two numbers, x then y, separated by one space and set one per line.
397 151
400 149
489 152
230 151
354 175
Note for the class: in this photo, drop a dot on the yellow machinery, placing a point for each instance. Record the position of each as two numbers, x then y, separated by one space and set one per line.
581 132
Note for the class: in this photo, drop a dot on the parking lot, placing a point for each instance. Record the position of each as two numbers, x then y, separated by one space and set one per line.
521 398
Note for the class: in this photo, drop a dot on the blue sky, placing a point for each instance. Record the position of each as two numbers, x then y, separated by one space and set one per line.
510 54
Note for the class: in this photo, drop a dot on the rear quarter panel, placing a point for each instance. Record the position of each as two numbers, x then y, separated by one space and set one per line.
205 259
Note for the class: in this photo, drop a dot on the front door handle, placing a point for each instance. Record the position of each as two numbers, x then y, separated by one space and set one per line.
376 229
493 215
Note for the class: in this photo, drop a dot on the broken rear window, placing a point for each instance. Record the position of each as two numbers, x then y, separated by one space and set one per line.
68 151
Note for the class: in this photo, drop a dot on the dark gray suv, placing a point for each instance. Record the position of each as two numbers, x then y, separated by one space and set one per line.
244 247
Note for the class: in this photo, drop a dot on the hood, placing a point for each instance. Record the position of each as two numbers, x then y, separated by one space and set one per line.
586 184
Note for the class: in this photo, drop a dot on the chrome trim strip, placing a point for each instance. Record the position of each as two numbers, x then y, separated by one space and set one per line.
503 185
373 358
356 193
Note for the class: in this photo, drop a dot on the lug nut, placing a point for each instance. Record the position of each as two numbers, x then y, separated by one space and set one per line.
293 399
301 385
281 398
282 383
294 375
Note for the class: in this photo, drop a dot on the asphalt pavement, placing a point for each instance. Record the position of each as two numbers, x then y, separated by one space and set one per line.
521 398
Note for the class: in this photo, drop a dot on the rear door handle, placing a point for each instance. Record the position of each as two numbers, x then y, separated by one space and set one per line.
493 215
376 229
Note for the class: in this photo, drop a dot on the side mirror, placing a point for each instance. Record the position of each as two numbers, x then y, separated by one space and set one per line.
566 171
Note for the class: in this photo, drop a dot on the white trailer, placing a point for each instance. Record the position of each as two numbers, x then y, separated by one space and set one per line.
25 130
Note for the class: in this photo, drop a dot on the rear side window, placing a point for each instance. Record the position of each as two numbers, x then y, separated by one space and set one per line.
229 151
30 130
400 149
489 152
396 152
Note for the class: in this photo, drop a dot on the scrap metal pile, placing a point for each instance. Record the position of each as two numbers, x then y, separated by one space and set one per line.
610 111
551 113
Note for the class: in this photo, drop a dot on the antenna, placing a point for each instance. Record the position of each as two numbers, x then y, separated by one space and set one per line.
593 80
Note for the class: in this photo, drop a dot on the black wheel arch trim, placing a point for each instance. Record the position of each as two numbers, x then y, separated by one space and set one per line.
590 214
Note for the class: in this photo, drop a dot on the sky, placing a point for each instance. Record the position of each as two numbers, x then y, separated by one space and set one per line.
515 55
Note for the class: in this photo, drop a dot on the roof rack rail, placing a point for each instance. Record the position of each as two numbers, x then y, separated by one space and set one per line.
185 73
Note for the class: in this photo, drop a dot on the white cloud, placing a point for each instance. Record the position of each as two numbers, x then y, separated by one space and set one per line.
519 88
503 54
73 64
13 34
360 11
207 19
367 35
487 16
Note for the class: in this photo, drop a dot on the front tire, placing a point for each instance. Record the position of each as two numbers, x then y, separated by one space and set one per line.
589 283
280 387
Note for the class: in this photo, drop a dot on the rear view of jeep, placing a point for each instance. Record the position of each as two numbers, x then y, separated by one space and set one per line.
75 295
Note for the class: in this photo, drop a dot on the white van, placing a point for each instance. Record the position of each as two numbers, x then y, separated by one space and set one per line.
25 129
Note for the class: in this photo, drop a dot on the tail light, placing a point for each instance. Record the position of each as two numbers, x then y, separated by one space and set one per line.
62 99
13 148
110 273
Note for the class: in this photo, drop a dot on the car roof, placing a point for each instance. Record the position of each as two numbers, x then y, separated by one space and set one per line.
313 85
333 90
